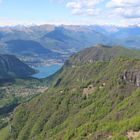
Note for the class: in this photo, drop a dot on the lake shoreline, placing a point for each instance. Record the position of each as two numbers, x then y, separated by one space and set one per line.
46 71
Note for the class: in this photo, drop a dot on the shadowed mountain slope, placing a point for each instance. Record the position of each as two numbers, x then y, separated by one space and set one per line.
11 67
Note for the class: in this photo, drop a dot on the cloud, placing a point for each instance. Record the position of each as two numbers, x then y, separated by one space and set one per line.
133 12
119 8
83 7
74 5
123 3
125 8
109 11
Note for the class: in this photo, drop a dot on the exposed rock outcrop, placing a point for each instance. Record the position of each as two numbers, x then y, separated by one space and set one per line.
132 76
133 134
89 90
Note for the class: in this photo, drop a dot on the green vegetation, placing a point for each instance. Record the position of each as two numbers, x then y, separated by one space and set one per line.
65 113
90 100
4 133
11 95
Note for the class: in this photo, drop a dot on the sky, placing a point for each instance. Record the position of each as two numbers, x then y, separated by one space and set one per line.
77 12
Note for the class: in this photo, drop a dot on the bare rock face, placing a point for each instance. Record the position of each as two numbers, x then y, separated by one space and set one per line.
89 90
132 76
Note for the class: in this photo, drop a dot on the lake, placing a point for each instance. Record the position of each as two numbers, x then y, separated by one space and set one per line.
45 71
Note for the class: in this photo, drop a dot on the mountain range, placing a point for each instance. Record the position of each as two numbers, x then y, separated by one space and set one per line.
45 42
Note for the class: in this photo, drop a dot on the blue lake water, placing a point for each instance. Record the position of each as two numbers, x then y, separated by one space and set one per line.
45 71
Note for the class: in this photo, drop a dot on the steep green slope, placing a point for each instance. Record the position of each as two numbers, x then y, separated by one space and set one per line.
13 94
11 67
100 53
96 100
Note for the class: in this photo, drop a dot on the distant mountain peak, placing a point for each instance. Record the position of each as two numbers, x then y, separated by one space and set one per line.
102 53
103 46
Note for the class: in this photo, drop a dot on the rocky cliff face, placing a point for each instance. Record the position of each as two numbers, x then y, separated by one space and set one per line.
132 76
